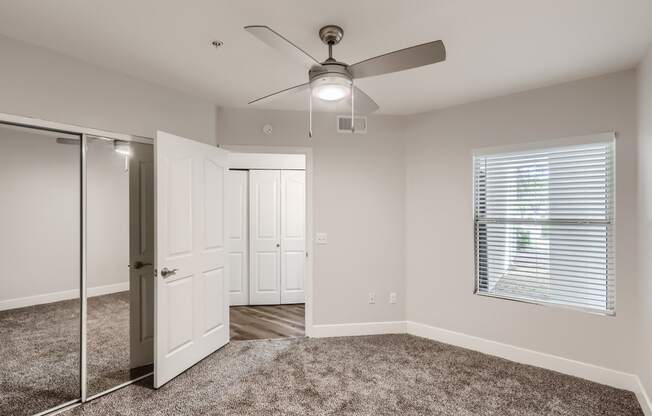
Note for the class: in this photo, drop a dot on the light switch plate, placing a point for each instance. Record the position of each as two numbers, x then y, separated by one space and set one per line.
372 297
392 297
321 238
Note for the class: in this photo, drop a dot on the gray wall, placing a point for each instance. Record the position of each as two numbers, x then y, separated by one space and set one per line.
439 234
358 201
42 84
38 83
39 216
645 218
107 216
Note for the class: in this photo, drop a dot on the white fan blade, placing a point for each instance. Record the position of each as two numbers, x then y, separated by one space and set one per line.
281 44
277 94
364 104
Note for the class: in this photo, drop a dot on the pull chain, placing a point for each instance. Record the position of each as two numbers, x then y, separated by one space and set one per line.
310 117
352 107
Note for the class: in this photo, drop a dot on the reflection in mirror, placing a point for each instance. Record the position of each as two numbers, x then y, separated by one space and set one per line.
120 224
40 282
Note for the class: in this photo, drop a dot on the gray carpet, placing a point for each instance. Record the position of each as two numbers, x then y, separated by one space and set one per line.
374 375
108 343
40 352
39 366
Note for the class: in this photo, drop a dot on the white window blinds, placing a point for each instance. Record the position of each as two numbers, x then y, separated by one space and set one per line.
544 224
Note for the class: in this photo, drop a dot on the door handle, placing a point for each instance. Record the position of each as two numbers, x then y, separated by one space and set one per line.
165 272
139 265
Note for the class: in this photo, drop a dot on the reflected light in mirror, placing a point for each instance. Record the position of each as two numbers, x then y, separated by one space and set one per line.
122 147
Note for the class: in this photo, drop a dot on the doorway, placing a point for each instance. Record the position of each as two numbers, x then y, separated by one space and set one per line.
268 244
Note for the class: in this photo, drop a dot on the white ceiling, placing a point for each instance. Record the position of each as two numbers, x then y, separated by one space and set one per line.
493 47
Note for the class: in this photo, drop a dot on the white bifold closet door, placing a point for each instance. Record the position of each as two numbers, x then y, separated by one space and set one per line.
265 225
277 236
237 214
293 235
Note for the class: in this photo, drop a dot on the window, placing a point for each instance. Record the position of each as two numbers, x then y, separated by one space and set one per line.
544 224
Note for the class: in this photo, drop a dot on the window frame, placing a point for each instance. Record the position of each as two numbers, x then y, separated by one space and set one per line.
550 145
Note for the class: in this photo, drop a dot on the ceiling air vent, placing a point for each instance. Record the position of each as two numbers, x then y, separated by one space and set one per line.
344 124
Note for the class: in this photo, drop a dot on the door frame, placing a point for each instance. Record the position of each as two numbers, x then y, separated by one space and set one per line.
310 246
83 133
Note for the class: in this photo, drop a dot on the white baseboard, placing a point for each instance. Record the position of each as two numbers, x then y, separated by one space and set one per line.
62 295
107 289
643 398
567 366
362 328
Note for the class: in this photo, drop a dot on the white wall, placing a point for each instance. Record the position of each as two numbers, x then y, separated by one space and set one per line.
358 201
107 218
39 83
645 219
42 84
39 216
439 219
39 219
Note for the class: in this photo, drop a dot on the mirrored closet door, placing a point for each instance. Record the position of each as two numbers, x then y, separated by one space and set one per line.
77 249
40 255
120 257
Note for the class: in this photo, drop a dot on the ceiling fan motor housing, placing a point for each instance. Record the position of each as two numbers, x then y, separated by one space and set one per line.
331 69
331 34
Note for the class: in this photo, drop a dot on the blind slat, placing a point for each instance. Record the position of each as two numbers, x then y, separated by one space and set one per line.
549 299
543 154
556 289
594 270
540 273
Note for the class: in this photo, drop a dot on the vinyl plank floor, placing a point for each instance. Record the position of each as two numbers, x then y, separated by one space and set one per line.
267 322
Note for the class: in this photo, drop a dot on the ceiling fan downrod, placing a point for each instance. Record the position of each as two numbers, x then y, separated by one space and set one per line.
331 35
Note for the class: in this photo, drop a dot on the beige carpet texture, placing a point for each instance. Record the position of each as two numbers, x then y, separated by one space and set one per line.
372 375
39 350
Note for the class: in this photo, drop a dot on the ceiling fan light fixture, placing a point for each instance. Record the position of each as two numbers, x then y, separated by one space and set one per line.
331 88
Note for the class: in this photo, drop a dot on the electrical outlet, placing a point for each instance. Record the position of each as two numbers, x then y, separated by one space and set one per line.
372 297
392 297
322 238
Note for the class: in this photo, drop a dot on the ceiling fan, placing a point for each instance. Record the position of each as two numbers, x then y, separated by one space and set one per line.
332 80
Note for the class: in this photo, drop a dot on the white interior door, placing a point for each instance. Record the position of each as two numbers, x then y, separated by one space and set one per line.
265 237
192 304
141 254
237 214
293 235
